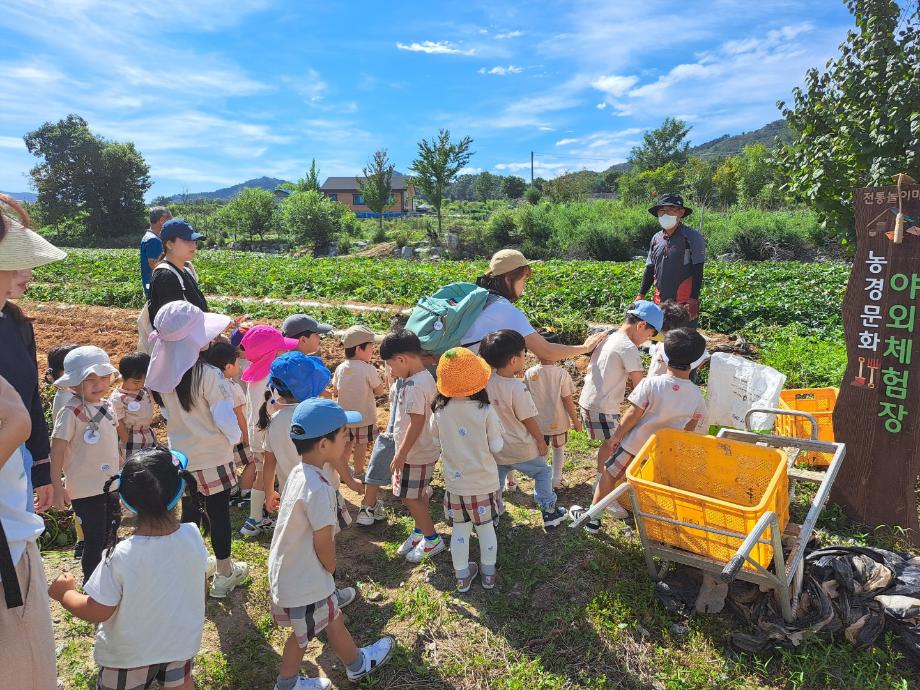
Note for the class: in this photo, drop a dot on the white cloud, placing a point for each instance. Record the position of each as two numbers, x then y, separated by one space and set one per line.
469 170
614 85
509 34
435 48
311 86
14 143
566 142
601 105
502 71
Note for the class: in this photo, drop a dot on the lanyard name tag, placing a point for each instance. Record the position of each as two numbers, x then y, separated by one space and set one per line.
91 436
134 406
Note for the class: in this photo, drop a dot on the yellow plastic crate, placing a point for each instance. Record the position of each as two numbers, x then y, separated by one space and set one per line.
711 482
818 402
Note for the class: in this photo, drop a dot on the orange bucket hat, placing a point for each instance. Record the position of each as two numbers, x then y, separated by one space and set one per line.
462 373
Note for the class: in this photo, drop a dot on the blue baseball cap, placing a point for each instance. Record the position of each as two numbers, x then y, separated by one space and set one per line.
179 228
316 417
301 375
648 312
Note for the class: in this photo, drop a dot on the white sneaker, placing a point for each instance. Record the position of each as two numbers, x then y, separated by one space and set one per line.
375 655
409 545
423 551
365 516
212 567
222 585
346 595
311 684
251 528
379 512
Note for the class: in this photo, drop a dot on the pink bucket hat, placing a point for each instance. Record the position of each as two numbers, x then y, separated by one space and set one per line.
261 345
182 329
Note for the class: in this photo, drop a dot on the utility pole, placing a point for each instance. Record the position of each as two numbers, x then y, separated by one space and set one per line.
531 168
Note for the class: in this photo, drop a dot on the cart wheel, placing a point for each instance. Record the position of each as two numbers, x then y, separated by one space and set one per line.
663 570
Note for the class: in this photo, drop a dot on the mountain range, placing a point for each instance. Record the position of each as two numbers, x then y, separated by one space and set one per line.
726 145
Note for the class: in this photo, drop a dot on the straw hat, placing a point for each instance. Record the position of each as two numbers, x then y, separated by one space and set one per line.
462 373
22 248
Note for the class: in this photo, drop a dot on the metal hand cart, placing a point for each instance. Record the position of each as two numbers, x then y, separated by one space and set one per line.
786 576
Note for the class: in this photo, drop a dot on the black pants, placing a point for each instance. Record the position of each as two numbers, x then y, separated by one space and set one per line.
218 507
91 512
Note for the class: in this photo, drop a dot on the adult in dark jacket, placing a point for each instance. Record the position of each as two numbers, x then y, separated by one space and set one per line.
175 278
21 250
676 257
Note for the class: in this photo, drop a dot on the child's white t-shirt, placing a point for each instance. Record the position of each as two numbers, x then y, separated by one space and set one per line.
417 394
668 402
141 401
513 403
548 384
296 576
467 433
157 583
355 381
239 395
278 442
605 381
87 466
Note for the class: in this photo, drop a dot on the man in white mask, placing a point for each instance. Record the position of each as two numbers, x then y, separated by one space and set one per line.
675 257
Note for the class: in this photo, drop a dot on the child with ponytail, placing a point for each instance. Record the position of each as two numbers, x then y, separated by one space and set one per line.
150 618
469 432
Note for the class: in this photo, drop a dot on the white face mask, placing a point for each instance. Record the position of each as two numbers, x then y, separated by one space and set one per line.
667 222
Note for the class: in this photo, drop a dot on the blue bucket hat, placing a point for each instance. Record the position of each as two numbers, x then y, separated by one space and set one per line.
649 312
317 417
300 375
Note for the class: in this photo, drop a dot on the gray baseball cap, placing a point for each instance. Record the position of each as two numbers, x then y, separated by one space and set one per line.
297 325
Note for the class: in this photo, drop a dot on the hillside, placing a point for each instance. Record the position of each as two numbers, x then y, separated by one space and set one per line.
731 145
227 193
29 197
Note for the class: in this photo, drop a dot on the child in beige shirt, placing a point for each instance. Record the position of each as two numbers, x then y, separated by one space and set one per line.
356 383
133 405
524 447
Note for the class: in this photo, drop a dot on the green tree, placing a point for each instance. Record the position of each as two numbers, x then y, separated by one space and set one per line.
487 186
311 220
532 195
250 212
698 182
513 187
376 186
725 181
858 123
642 187
309 181
438 163
662 146
83 173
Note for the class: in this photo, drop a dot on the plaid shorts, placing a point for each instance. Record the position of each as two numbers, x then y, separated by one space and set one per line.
476 509
241 456
215 479
599 425
557 440
363 434
618 463
139 437
170 675
307 621
413 481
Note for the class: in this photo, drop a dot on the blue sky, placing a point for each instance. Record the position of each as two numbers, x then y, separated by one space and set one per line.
214 93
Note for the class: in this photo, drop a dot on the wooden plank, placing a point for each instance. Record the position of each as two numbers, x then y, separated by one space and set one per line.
877 414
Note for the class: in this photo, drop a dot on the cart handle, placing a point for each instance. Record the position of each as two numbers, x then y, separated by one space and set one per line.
775 411
730 571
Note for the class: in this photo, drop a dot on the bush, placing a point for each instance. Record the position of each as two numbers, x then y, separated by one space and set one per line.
380 234
532 195
311 220
760 235
599 243
500 230
807 360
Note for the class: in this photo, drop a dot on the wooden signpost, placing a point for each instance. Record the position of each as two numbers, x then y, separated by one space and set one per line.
877 414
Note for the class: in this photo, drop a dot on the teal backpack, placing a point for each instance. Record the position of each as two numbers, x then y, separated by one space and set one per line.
442 319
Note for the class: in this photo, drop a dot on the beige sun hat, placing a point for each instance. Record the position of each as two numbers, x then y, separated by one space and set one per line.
22 248
358 335
507 260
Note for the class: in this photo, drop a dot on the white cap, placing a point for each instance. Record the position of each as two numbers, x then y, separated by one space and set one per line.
83 361
181 331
